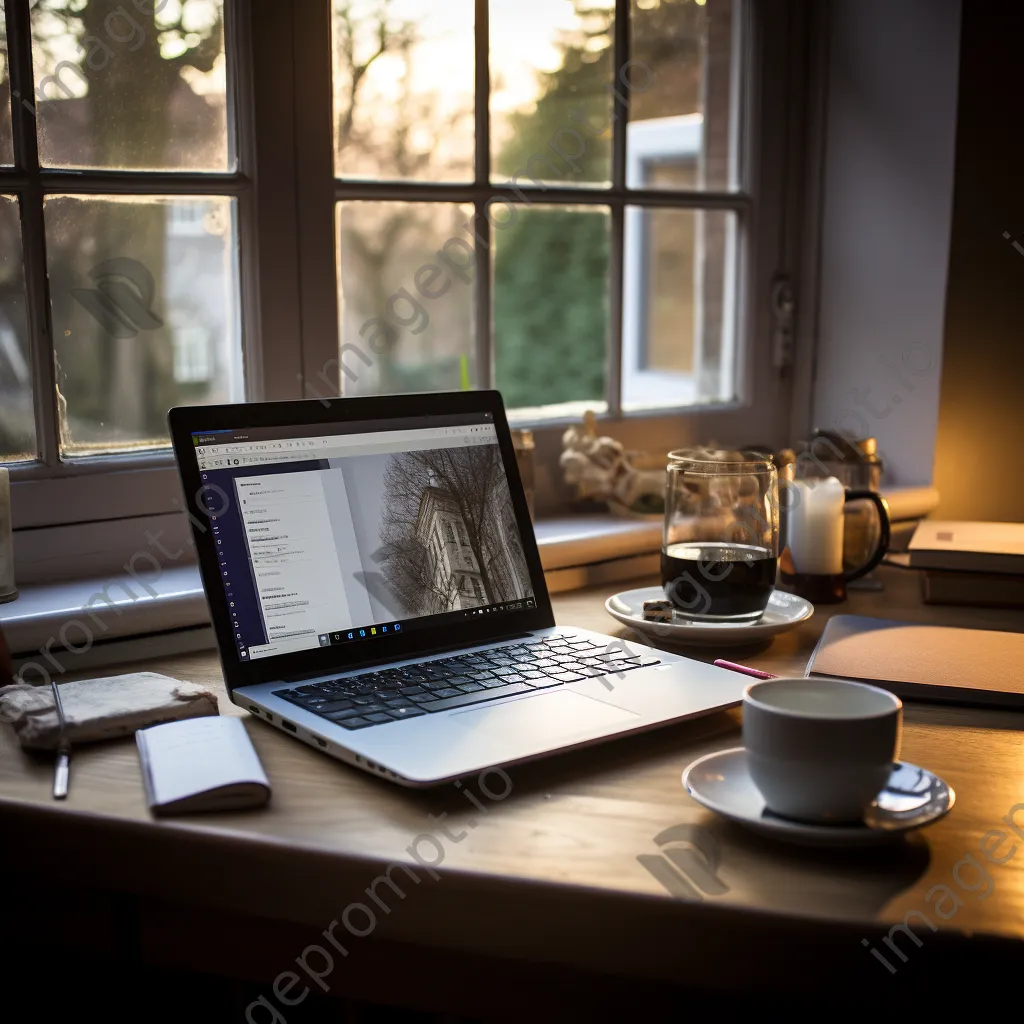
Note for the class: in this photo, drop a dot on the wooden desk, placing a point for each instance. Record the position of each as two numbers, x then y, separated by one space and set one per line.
542 896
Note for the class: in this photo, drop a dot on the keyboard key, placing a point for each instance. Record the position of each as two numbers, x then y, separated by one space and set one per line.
494 682
343 716
591 671
355 723
459 680
411 691
543 683
479 677
545 663
515 677
369 709
469 687
306 689
566 677
398 702
300 699
447 691
475 698
410 712
379 717
335 705
505 670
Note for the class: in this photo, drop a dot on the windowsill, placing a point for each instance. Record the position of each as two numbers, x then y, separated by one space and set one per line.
79 610
575 551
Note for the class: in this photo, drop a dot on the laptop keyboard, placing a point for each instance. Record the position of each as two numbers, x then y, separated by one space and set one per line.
378 698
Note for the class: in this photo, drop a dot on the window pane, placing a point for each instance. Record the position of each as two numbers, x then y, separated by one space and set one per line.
681 117
403 89
136 85
145 314
6 137
551 105
679 331
405 273
17 422
551 308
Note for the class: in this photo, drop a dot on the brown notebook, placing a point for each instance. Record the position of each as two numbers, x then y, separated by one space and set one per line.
925 663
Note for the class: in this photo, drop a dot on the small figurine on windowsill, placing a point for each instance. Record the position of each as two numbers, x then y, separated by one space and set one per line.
629 483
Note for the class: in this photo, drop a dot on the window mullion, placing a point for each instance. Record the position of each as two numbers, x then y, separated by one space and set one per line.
482 234
315 211
242 142
33 234
616 262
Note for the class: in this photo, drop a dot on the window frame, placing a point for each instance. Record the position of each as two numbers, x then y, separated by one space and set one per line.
279 83
52 491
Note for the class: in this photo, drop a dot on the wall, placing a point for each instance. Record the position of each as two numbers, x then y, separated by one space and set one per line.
981 420
886 194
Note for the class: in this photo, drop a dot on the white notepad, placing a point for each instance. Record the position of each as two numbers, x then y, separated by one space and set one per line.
201 764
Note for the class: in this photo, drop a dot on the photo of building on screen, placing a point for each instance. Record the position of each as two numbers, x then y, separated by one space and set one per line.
449 539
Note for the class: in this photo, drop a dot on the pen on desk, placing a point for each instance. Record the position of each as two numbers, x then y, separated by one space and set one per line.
62 767
745 670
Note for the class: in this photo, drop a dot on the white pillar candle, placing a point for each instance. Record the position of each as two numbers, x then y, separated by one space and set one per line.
816 526
7 587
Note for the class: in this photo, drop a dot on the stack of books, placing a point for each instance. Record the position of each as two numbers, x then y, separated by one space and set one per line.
970 563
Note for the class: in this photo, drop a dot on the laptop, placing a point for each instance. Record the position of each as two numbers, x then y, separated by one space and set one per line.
377 593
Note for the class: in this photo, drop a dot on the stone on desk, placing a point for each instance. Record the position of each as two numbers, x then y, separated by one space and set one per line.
101 709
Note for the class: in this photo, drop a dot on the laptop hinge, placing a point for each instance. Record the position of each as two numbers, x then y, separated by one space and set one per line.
424 654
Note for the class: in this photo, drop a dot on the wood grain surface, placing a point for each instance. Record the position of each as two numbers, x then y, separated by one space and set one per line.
554 869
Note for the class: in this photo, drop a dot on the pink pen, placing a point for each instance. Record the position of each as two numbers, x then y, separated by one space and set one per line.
745 670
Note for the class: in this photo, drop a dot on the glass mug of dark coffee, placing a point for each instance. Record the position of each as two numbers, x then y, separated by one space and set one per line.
720 546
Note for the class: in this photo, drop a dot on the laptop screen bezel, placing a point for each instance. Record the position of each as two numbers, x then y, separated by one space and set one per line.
186 421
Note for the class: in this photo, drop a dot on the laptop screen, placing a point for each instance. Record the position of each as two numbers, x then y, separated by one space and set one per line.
354 532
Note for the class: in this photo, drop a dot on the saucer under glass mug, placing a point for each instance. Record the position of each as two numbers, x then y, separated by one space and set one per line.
720 545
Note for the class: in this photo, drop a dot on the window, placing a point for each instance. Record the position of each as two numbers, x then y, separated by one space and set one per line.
119 222
554 197
550 204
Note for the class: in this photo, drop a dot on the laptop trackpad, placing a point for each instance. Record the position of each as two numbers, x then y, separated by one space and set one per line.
544 718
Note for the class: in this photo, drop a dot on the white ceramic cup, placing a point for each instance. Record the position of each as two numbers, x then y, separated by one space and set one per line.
820 750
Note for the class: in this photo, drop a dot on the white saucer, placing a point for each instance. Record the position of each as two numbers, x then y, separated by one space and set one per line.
912 798
784 612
